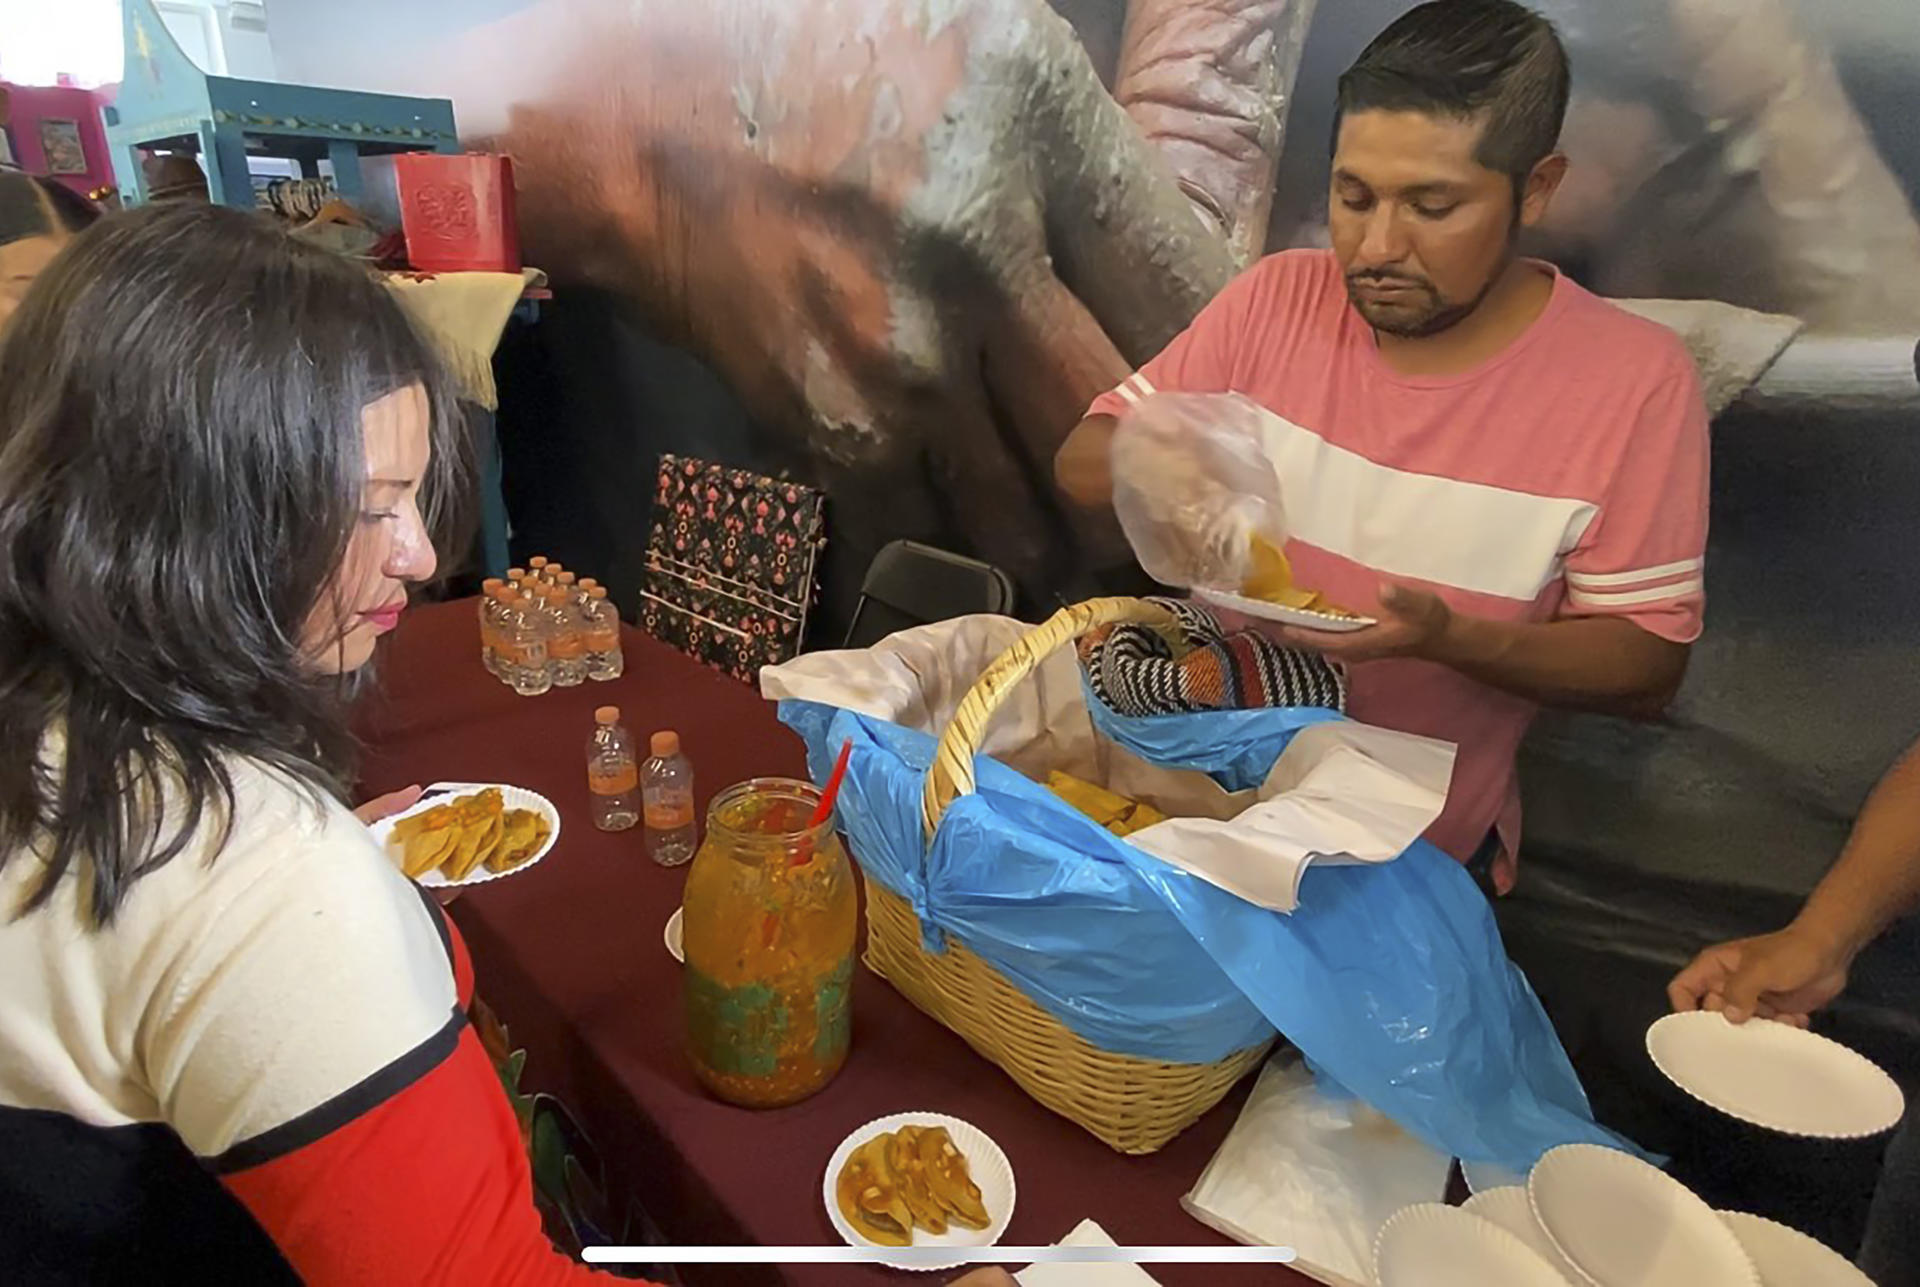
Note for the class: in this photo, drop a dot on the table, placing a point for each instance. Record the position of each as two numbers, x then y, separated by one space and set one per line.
570 957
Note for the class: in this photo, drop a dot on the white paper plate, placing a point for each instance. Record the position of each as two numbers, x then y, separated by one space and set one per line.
1788 1258
1285 616
512 797
676 935
1624 1223
1775 1075
1430 1245
1481 1176
988 1165
1507 1206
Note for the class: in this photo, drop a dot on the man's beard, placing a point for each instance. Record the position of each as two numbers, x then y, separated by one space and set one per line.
1435 316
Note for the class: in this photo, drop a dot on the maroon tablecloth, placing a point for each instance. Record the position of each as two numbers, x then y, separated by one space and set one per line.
569 954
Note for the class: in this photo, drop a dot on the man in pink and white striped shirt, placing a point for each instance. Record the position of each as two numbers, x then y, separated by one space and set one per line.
1506 470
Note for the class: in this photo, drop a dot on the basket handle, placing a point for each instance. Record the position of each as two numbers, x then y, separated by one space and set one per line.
951 775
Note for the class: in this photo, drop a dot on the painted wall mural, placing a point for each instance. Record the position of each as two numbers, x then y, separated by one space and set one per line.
915 237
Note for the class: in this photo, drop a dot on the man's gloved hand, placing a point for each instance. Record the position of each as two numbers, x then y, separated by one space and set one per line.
1192 486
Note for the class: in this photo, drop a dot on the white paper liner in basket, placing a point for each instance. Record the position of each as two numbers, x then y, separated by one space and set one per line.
1342 792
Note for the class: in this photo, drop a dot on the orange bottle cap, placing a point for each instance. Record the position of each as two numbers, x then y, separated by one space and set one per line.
565 578
607 715
665 744
537 562
514 574
491 584
598 592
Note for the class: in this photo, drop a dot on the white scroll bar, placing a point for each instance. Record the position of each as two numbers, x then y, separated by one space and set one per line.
937 1257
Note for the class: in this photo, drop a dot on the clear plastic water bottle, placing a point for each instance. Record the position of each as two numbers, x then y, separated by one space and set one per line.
567 640
613 777
666 785
490 591
604 659
537 570
529 671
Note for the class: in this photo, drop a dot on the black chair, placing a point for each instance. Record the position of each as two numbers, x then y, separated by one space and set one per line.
909 584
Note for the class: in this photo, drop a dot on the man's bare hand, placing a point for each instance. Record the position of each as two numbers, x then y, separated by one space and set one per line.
1785 976
1411 623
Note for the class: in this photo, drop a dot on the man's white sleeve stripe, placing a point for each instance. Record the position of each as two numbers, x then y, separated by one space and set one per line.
1145 385
1601 580
1630 598
1126 391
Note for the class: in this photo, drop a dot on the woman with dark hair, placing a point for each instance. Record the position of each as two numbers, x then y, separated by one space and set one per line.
37 218
233 1038
223 1012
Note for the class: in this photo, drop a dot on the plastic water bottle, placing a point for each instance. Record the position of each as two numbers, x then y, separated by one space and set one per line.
537 570
490 591
529 672
666 784
567 643
613 779
604 659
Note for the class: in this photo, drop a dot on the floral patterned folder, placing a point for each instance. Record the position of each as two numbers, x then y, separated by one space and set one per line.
730 565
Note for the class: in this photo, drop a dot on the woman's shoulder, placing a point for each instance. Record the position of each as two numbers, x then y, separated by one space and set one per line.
275 962
301 963
282 842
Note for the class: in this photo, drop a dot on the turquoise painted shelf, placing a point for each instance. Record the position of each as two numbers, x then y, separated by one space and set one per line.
165 101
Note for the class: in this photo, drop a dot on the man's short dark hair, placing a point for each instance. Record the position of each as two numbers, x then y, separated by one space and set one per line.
1465 59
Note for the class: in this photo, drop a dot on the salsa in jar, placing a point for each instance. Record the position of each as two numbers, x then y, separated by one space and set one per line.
769 929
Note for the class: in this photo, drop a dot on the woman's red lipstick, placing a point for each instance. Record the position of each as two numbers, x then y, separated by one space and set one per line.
385 617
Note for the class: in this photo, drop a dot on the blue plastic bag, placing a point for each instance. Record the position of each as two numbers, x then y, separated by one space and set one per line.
1390 978
1037 890
1237 748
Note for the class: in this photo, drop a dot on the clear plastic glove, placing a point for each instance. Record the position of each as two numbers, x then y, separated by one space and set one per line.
1192 486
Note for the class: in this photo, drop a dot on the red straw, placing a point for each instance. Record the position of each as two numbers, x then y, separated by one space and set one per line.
803 852
828 796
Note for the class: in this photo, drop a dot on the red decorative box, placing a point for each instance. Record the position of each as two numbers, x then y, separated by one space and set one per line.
457 212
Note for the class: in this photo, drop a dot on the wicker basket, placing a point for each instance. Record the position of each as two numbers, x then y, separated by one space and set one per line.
1135 1105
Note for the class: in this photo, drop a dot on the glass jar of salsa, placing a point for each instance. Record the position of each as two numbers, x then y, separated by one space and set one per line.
769 930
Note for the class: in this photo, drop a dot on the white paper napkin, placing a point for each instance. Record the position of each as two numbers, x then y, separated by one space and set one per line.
1085 1234
1320 1175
